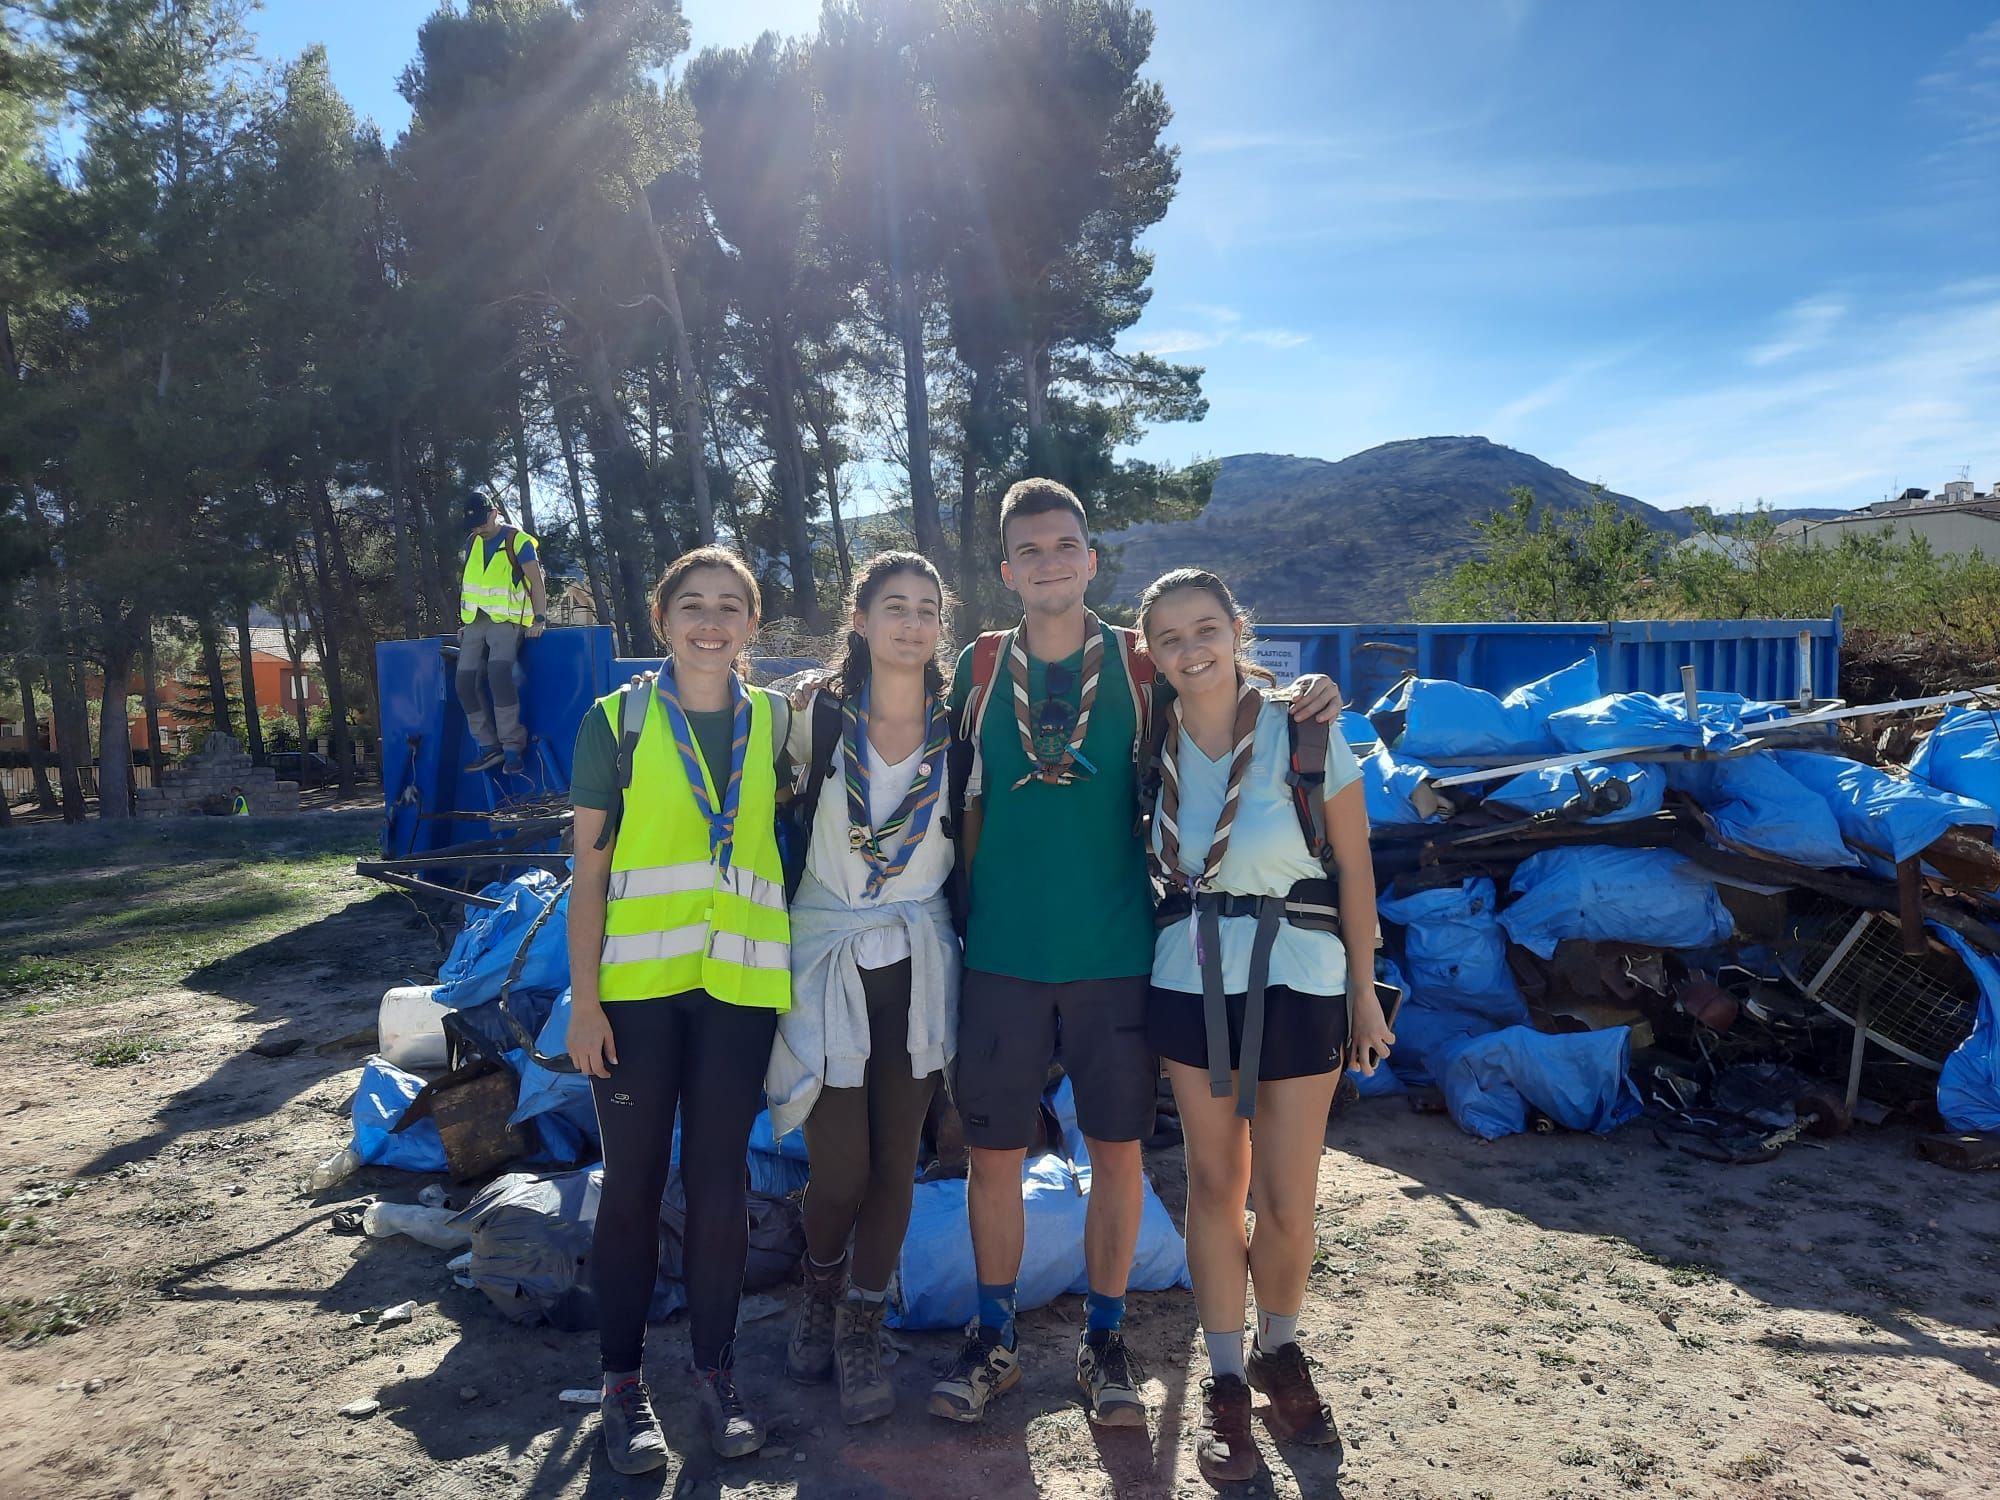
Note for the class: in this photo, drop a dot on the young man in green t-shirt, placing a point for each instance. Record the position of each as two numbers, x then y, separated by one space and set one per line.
1058 947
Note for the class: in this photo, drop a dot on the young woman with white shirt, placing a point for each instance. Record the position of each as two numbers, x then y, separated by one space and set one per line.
1251 959
875 971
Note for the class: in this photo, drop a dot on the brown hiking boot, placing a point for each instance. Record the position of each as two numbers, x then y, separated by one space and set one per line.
865 1392
1297 1413
809 1353
1224 1448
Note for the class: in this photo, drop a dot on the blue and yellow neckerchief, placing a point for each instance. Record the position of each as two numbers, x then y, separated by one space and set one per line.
722 824
918 803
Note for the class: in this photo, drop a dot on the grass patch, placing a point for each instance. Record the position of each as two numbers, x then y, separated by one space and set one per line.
1916 1458
1756 1464
104 912
29 1320
123 1048
1556 1359
1576 1456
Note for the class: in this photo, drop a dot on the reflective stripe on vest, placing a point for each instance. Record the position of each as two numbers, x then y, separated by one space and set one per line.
489 584
673 922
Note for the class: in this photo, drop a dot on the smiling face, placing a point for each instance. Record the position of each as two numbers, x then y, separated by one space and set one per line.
1049 561
902 622
707 621
1193 641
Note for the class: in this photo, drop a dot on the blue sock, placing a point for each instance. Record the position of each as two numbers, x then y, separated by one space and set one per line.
996 1309
1102 1315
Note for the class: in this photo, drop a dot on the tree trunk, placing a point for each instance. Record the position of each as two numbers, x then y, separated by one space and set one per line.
830 467
406 582
1035 378
586 544
619 470
786 444
294 647
253 721
972 580
924 518
438 595
114 730
523 478
38 754
689 394
331 632
218 685
72 734
149 668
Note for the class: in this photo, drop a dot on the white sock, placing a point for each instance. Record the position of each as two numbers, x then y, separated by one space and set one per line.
1274 1331
1225 1353
856 1293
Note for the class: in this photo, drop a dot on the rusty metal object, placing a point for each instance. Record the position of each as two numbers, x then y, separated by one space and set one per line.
1707 1003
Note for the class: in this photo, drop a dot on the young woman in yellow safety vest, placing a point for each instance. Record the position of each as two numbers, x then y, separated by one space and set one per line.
679 968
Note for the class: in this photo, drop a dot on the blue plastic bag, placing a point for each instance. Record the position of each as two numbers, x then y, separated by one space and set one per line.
1359 734
1443 718
484 949
380 1100
1963 754
1389 785
1649 896
1757 803
1899 818
1630 721
1968 1093
1581 1080
938 1287
1455 955
1549 790
560 1104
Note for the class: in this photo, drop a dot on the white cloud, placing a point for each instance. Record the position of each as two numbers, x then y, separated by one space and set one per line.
1550 392
1276 338
1964 96
1804 326
1904 396
1175 341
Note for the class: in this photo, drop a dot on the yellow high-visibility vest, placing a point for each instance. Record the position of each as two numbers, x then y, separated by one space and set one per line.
673 921
490 585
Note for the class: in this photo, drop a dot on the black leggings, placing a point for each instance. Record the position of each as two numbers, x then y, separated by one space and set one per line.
707 1058
863 1142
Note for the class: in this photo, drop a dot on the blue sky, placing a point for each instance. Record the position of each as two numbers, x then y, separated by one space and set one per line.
1706 253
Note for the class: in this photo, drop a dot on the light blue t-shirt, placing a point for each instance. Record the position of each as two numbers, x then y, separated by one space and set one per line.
1267 856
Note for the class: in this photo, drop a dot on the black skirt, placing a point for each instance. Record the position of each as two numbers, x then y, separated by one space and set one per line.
1304 1035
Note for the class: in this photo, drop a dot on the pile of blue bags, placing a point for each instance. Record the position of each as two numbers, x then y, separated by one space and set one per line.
936 1286
1465 1027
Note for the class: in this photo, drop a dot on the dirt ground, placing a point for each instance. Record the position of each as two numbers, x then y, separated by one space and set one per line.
1544 1316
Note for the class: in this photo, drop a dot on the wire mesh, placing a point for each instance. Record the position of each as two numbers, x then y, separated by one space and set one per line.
1919 1006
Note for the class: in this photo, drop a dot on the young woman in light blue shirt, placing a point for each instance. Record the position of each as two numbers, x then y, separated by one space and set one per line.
1254 953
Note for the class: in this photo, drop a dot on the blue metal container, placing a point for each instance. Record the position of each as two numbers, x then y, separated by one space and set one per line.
1765 659
426 742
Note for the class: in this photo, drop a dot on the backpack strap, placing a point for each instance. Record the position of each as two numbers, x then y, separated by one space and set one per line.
985 668
507 536
632 706
826 728
1307 777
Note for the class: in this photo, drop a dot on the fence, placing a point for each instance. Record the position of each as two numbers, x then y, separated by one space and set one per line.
17 783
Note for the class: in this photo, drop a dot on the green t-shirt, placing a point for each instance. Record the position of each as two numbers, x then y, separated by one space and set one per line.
1059 886
593 771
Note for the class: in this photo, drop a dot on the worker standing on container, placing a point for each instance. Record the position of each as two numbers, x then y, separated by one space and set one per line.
680 964
503 600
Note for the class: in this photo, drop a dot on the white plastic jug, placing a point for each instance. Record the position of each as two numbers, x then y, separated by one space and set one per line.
410 1027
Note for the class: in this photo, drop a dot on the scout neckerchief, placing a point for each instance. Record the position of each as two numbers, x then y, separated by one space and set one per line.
1060 771
721 824
918 803
1167 863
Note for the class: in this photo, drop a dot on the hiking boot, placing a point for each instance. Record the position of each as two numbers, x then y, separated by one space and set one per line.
865 1392
732 1431
1297 1413
512 764
633 1442
488 757
1108 1374
809 1352
982 1369
1225 1450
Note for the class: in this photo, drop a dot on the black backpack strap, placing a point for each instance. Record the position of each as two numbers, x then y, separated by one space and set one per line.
1307 777
1152 741
507 535
632 706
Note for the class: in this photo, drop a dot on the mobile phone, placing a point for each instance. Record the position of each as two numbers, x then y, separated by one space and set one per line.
1391 997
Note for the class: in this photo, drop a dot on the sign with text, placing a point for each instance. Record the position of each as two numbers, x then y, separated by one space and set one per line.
1280 658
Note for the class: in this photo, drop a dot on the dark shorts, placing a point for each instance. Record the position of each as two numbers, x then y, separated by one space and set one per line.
1010 1030
1304 1035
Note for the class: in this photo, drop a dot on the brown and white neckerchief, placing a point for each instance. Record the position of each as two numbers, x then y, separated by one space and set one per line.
1167 862
1062 770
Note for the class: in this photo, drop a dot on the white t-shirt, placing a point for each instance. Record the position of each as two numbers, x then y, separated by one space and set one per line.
832 862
